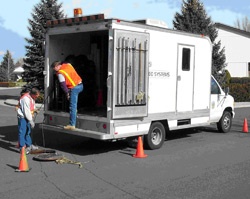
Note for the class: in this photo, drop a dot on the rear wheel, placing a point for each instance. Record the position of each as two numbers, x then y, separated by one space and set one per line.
156 136
225 123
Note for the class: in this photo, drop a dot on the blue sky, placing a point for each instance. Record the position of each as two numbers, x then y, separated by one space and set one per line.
14 15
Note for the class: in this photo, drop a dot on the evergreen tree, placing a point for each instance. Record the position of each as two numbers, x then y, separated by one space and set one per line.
35 56
7 67
193 18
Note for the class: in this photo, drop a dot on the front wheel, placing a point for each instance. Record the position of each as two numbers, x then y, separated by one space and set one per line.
225 123
156 136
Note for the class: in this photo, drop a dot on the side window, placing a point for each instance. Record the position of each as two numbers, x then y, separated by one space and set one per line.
186 59
214 87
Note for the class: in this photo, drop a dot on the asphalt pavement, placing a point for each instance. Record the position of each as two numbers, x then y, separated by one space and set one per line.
195 163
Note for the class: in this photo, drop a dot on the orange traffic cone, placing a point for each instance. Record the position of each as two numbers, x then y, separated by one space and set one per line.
139 150
245 126
23 165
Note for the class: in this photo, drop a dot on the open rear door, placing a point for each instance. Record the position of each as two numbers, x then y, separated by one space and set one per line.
130 83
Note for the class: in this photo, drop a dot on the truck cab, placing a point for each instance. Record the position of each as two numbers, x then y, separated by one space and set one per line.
221 111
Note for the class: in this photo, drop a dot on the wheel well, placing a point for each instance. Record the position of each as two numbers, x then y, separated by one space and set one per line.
164 123
229 109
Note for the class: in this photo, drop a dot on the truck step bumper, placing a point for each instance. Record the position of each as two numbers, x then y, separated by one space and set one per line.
78 132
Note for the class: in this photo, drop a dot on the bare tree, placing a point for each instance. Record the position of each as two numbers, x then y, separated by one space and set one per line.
243 24
20 62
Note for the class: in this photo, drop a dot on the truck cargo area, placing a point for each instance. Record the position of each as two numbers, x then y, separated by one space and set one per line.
88 53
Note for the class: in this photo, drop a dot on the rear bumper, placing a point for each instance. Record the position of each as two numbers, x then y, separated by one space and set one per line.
78 132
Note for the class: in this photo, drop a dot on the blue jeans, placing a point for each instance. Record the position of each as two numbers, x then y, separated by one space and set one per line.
24 130
73 103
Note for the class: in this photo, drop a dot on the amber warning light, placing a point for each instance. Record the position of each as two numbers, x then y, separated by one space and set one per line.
77 12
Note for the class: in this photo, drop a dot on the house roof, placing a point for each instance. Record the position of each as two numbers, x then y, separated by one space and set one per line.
232 29
19 69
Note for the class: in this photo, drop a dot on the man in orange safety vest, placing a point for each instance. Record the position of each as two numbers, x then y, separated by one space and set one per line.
71 84
25 114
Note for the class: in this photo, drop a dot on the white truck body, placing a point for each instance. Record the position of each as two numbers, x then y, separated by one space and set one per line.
145 79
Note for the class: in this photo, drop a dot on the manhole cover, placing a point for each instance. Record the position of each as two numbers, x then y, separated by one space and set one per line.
48 157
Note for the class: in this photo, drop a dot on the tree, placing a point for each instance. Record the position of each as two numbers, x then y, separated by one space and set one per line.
7 67
35 56
193 18
19 62
244 24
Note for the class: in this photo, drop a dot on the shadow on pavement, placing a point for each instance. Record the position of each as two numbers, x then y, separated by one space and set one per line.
84 146
59 141
8 138
75 144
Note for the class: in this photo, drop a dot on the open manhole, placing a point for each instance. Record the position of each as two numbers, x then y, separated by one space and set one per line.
47 157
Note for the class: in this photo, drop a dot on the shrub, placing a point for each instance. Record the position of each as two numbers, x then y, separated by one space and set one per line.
240 92
227 77
40 98
240 80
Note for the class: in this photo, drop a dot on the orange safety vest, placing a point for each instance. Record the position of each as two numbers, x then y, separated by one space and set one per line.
72 79
32 103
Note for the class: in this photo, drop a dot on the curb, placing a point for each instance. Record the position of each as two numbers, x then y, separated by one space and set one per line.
241 104
10 103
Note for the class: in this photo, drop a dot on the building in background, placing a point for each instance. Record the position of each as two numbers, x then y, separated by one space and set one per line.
237 49
18 72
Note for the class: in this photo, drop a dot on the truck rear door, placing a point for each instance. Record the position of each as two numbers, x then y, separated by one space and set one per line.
130 79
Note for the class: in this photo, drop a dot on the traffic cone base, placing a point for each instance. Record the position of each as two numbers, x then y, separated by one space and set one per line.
245 126
140 156
23 165
17 170
139 150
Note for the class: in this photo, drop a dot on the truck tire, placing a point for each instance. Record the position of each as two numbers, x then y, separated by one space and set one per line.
155 137
225 123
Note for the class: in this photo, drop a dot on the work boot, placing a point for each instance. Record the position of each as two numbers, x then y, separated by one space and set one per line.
33 147
69 127
28 149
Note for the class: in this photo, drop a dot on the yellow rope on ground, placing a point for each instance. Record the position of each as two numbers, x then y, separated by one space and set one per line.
66 160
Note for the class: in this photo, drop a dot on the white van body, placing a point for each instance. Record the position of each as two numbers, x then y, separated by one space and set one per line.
138 80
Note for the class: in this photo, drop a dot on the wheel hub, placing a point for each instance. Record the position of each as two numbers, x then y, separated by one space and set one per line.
156 136
226 122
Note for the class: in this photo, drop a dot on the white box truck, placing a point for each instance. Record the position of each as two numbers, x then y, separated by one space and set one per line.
139 79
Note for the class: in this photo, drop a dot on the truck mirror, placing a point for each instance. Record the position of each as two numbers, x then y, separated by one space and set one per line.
227 90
